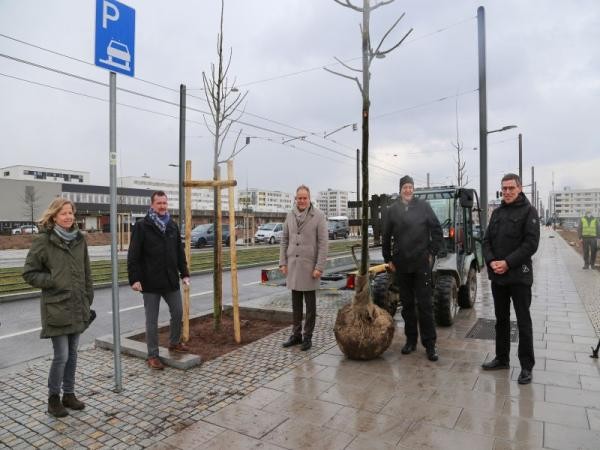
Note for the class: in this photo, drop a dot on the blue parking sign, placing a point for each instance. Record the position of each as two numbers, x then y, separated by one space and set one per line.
115 37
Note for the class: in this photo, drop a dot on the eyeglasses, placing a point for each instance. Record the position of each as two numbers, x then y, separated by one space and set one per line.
509 188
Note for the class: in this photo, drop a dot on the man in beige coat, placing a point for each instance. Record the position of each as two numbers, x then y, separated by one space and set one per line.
302 259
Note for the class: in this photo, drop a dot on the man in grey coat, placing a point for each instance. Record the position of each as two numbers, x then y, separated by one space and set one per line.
302 257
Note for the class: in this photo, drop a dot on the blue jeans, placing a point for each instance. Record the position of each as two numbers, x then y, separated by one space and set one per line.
64 364
151 306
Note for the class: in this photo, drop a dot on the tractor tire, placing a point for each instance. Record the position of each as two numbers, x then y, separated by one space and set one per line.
383 293
467 294
445 300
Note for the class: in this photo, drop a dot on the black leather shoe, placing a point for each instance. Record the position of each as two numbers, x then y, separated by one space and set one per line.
495 364
585 267
525 376
306 344
432 354
408 348
293 340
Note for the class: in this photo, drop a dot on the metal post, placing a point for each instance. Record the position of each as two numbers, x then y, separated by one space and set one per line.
482 117
532 186
428 182
521 157
113 229
181 156
358 185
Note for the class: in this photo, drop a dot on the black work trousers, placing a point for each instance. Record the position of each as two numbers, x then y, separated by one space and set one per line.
590 248
415 294
310 297
521 299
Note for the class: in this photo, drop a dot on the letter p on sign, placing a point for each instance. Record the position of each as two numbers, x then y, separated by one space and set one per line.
106 6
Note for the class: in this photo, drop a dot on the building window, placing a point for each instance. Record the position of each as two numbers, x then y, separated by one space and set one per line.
7 173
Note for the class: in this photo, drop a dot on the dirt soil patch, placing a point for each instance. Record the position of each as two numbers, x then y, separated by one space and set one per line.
22 241
210 344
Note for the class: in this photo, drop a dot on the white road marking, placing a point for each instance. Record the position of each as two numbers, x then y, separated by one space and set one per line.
128 309
250 284
201 293
6 336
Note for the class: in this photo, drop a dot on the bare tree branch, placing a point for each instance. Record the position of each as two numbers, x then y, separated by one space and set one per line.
385 52
347 4
346 65
389 31
377 5
346 76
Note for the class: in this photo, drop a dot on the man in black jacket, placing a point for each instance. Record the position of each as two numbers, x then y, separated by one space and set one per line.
155 262
412 236
511 239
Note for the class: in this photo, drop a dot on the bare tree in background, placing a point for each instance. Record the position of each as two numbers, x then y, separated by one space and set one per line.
461 174
363 330
224 101
32 205
368 55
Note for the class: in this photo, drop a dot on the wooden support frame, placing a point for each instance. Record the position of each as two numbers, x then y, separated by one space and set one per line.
230 183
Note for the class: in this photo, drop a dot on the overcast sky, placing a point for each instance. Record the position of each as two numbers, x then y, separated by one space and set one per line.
543 65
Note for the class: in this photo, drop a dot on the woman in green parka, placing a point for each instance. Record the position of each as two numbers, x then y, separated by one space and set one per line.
58 263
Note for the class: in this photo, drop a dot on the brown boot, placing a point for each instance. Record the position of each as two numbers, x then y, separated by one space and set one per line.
71 402
55 407
154 363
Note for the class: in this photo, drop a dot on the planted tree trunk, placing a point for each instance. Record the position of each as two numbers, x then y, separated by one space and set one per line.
362 329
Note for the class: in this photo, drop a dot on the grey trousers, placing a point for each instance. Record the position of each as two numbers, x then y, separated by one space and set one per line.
151 306
64 364
310 297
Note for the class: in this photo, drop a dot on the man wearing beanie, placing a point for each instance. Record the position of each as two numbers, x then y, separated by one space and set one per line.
412 236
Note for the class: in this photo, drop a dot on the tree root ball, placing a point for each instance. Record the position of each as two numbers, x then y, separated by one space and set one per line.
362 329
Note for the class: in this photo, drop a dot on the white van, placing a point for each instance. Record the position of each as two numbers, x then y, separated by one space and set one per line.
269 232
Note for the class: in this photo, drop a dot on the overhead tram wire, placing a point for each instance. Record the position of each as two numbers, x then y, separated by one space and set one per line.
176 117
312 133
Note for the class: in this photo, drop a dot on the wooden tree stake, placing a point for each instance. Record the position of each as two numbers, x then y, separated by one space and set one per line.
233 252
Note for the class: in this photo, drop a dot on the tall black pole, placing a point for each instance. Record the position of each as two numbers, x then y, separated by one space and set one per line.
358 184
532 185
521 157
181 156
482 117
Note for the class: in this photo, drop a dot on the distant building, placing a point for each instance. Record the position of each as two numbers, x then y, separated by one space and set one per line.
202 199
34 173
333 202
262 200
568 205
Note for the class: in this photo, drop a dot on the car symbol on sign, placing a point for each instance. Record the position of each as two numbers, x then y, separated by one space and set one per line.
117 52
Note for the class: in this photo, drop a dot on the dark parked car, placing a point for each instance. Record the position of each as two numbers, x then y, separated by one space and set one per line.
203 235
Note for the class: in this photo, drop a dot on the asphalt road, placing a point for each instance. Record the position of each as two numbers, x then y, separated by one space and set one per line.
20 320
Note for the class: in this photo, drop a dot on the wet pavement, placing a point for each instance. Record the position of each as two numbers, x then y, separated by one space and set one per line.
263 396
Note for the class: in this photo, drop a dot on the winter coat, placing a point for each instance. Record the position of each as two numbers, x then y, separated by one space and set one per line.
62 272
411 233
513 235
156 259
304 249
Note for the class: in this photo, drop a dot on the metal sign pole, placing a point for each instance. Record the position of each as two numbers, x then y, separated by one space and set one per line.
113 230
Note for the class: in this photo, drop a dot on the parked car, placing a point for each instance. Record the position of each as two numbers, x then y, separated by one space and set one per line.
269 232
203 235
338 227
25 229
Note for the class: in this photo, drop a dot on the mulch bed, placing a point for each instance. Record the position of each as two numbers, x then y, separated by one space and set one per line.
211 344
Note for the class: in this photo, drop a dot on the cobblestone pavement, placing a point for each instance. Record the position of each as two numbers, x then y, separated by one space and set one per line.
263 396
153 405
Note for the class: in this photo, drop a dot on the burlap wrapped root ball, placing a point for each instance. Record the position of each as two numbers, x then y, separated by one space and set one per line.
362 329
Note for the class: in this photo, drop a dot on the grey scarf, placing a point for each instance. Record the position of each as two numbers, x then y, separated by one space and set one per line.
301 215
65 234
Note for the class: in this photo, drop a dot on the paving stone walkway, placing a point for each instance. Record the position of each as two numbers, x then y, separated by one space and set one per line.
263 396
